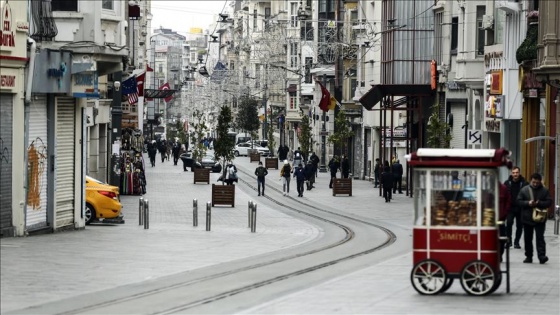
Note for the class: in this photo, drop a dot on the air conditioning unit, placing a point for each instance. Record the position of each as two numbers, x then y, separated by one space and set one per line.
487 22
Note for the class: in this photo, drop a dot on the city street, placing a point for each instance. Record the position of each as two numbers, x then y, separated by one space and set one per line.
130 270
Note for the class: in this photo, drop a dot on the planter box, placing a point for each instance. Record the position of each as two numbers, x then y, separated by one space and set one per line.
223 195
254 157
201 175
342 186
271 163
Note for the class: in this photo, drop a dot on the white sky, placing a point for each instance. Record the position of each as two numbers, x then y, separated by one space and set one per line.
181 15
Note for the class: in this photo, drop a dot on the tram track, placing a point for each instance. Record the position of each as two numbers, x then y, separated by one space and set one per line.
159 293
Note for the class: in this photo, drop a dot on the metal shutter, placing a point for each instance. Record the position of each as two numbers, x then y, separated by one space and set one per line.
65 132
36 213
459 111
6 149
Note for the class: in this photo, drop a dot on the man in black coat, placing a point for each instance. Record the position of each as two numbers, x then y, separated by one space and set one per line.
334 165
387 181
345 166
397 170
534 195
514 184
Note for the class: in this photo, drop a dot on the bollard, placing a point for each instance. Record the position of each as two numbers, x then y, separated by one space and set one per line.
254 218
140 211
249 213
208 215
146 214
556 220
195 212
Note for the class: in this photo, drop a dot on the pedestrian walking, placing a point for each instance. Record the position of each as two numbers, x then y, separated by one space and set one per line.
397 170
315 161
261 172
387 181
345 166
514 184
310 172
231 174
505 206
176 151
162 150
285 173
334 165
532 196
377 169
298 157
299 174
152 152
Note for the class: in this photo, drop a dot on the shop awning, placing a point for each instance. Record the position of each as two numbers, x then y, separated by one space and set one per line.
152 93
378 92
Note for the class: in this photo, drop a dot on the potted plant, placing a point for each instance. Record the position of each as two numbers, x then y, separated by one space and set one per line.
223 152
198 149
271 161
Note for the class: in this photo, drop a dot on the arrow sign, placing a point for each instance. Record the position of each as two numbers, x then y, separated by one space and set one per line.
474 136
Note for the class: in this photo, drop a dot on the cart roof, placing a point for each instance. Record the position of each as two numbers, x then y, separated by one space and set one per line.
460 157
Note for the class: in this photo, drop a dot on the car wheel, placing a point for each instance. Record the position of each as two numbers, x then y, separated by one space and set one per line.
236 153
89 215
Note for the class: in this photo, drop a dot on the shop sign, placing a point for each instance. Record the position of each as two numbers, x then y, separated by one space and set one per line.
493 125
52 73
533 93
453 85
85 85
7 36
22 26
9 79
494 106
496 82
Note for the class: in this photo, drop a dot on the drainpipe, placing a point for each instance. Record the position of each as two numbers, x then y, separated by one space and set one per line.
27 104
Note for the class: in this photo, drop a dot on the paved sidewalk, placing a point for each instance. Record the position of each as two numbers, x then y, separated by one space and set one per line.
38 269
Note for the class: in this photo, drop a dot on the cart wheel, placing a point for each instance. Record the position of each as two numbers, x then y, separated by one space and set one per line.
447 285
478 278
428 277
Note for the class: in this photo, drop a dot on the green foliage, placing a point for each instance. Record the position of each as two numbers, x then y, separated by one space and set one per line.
439 133
270 138
224 144
199 132
248 116
342 131
177 129
304 135
528 49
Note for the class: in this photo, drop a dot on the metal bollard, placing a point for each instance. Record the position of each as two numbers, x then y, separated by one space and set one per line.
249 213
195 212
146 214
254 218
556 220
140 211
208 215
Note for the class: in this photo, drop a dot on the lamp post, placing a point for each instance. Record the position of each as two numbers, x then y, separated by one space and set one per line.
323 166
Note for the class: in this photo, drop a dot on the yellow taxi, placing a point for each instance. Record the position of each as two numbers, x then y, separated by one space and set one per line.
102 200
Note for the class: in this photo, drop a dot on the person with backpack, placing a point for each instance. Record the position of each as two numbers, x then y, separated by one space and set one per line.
261 172
309 170
231 174
285 176
298 157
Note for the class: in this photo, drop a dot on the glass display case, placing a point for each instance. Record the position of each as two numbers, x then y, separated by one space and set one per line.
449 197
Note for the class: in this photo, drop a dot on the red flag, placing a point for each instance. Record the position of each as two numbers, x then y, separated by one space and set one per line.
148 68
140 82
325 98
166 87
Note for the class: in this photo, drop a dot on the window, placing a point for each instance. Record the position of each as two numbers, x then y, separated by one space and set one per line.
308 65
266 22
499 22
232 65
254 19
160 68
293 14
438 36
480 11
307 31
294 55
454 35
64 5
107 5
293 100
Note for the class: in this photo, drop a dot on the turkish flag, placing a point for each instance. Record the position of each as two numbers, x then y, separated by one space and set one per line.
166 87
325 101
140 82
148 68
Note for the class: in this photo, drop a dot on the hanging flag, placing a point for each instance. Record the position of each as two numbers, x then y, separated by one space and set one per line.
148 68
140 83
325 98
130 89
332 103
166 87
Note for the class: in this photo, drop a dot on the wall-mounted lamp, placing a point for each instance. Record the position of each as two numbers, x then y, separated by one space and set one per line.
117 85
366 44
214 38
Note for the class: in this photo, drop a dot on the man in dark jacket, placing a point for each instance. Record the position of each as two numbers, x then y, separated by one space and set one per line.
377 169
397 174
514 184
334 165
300 179
315 160
176 151
534 195
309 171
261 172
387 181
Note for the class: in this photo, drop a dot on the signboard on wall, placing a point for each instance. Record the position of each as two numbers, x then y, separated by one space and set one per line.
496 78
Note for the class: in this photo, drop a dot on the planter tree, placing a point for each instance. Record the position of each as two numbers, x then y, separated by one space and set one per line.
248 116
270 138
304 135
224 144
439 133
199 131
342 132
